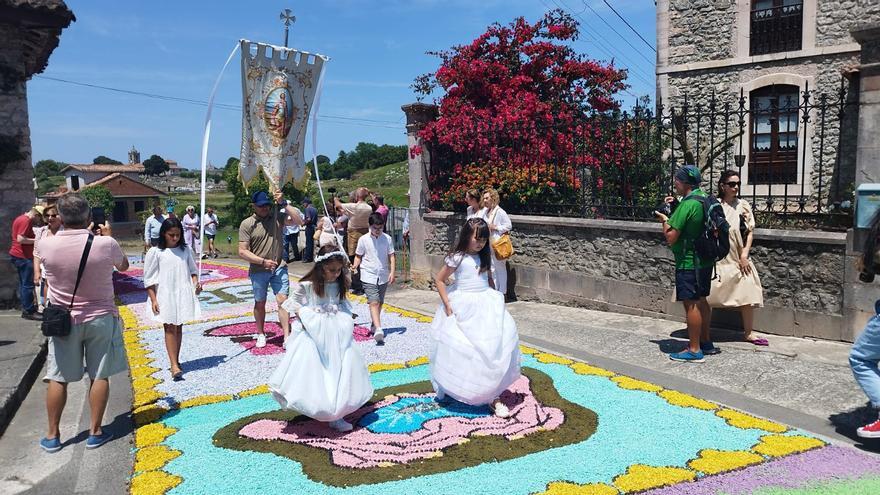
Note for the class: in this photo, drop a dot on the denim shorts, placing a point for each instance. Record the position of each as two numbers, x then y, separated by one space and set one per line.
375 293
260 281
691 284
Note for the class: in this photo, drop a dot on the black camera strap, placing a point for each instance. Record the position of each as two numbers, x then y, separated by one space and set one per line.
82 267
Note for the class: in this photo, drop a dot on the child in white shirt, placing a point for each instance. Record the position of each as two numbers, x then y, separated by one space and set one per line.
374 257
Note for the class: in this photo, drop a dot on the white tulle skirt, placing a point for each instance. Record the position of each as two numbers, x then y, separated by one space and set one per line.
474 354
322 375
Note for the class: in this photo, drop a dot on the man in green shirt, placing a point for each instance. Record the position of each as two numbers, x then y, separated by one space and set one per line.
693 276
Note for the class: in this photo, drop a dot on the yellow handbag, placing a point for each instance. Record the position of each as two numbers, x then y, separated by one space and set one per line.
503 247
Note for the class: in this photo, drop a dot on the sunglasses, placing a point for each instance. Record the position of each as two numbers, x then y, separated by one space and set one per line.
52 215
732 184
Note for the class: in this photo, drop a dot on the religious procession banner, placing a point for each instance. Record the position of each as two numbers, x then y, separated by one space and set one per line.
279 87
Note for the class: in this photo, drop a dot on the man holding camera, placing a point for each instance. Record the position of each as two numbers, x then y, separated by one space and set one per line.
693 276
96 334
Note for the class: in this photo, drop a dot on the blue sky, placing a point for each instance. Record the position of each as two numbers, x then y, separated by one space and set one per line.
177 49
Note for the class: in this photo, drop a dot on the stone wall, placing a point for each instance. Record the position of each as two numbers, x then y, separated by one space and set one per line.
626 267
836 18
701 30
16 175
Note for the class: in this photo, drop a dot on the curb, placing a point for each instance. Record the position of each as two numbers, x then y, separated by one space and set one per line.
12 402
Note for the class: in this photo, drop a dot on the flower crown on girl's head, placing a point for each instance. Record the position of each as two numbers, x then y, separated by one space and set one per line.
329 255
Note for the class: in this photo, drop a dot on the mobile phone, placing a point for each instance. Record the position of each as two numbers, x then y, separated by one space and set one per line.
98 217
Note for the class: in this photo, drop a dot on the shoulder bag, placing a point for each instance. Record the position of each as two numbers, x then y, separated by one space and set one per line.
56 319
502 246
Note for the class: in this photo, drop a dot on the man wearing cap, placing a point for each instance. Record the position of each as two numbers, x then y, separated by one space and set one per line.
21 255
310 222
358 224
260 239
693 276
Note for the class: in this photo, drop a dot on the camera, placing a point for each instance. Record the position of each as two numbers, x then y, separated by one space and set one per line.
667 208
331 190
866 277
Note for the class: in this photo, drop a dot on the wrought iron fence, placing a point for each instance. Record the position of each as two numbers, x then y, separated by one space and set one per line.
794 152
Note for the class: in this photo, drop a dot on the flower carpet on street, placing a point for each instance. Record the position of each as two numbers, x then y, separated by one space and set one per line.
574 428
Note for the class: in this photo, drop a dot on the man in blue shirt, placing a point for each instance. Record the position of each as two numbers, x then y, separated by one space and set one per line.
151 229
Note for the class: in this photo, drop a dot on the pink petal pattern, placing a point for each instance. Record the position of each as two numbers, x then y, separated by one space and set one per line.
361 448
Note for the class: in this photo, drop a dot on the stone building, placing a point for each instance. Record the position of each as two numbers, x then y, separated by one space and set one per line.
770 52
131 197
29 32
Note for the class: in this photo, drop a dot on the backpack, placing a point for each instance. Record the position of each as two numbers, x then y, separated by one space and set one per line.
713 242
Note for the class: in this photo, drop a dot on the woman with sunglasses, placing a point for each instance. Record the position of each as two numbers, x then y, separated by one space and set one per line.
52 226
737 284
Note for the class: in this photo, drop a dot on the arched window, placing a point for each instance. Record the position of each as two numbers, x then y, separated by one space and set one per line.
776 26
773 134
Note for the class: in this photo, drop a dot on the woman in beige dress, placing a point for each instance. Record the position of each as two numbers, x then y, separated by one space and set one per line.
737 284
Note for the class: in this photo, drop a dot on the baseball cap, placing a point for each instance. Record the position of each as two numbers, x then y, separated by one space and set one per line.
261 198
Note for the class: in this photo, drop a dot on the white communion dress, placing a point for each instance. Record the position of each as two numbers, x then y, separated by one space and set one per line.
171 271
475 352
322 375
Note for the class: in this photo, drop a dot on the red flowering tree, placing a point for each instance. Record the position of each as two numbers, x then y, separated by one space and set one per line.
519 112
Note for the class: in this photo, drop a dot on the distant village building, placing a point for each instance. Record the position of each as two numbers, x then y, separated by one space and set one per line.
130 196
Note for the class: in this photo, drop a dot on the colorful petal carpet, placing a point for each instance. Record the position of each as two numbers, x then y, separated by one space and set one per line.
574 429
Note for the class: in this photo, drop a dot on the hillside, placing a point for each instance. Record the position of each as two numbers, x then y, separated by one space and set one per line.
390 181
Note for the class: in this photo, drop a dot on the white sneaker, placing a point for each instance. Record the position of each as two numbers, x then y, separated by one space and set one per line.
261 340
379 335
341 425
501 410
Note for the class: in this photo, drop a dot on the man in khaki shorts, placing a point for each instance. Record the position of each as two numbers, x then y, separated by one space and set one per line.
358 225
96 333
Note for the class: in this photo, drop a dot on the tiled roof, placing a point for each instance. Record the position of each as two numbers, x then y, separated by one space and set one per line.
130 167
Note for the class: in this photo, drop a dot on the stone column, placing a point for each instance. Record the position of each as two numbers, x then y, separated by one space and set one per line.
17 193
417 116
858 298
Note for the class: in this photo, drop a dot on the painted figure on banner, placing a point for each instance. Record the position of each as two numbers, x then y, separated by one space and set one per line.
278 114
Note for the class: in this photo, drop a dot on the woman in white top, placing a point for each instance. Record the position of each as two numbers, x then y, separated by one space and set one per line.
172 282
473 198
499 224
53 225
737 284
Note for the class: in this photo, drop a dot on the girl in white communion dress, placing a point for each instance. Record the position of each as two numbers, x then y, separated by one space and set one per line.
475 346
322 375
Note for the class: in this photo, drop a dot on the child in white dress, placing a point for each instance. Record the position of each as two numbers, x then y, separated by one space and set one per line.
322 375
475 346
172 282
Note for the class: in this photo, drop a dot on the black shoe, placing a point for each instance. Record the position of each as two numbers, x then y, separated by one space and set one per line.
32 316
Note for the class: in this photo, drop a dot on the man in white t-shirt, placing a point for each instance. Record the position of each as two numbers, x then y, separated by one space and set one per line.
291 239
374 256
211 223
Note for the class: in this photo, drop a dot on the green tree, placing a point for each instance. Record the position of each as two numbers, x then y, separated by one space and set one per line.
103 160
155 165
99 197
240 207
48 168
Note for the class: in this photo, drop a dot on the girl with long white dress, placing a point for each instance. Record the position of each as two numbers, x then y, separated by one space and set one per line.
322 375
499 224
474 353
172 282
